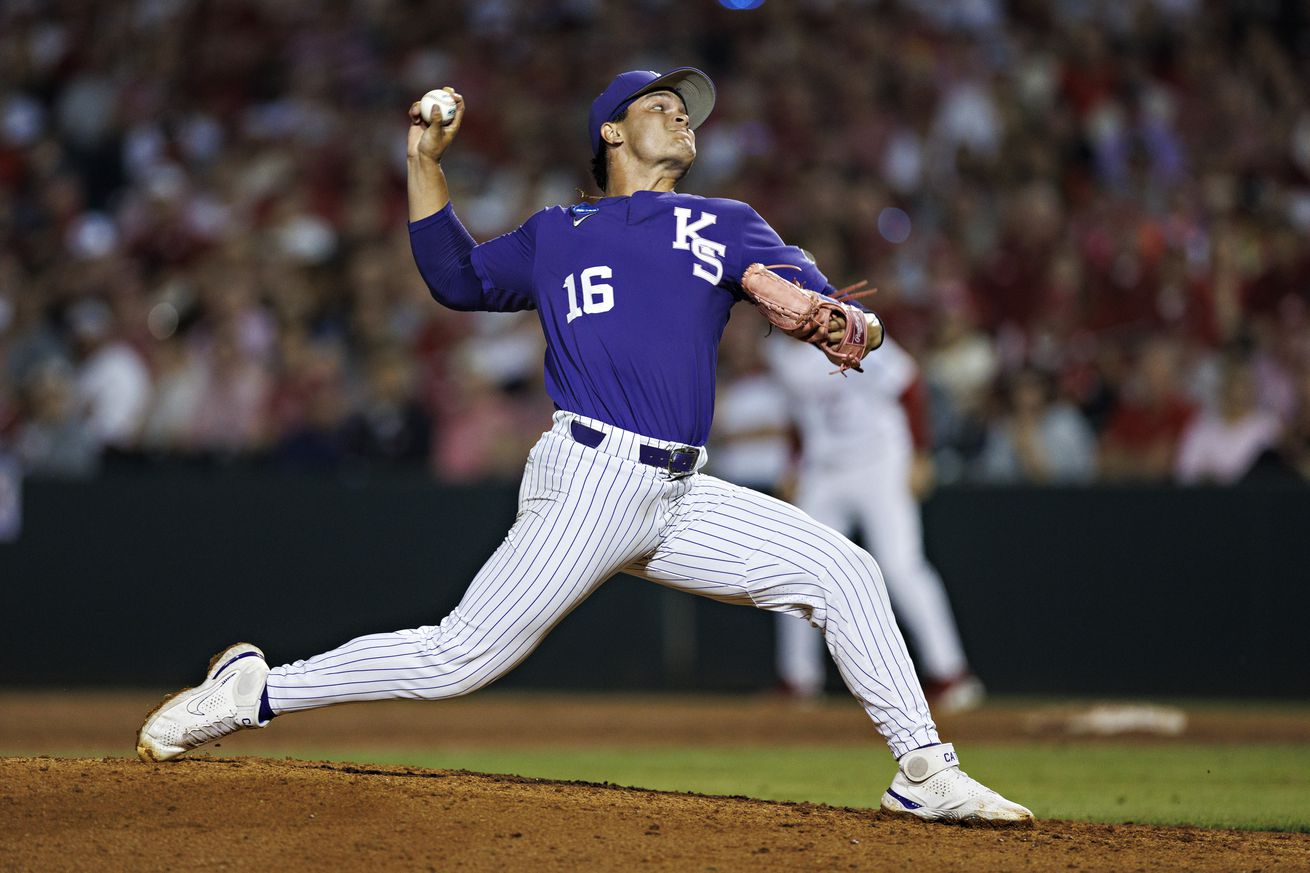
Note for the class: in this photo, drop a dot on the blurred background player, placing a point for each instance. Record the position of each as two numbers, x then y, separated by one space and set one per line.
862 467
752 436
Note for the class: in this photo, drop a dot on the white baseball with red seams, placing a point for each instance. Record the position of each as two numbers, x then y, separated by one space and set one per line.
439 103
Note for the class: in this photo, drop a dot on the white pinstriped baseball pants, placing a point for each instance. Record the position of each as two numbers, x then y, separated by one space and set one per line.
586 514
867 494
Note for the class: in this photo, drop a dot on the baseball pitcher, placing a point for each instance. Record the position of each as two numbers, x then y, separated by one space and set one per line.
633 291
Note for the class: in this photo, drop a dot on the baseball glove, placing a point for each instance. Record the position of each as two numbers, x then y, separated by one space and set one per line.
805 314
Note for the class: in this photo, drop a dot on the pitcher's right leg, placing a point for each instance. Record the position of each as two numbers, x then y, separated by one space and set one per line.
583 515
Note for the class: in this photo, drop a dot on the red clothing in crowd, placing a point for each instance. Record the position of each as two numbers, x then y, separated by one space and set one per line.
1137 427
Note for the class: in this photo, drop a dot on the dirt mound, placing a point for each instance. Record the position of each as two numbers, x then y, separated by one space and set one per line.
251 813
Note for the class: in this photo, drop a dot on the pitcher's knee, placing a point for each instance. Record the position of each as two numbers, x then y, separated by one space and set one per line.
812 610
853 578
474 681
455 671
466 660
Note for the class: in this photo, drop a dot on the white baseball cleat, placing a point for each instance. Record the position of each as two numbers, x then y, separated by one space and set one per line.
227 701
930 785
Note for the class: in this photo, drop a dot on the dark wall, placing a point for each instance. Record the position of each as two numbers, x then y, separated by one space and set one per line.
136 578
1130 590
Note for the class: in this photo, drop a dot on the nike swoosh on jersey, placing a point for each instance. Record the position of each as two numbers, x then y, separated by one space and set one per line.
583 218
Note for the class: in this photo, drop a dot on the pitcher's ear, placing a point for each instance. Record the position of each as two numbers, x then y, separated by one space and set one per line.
610 133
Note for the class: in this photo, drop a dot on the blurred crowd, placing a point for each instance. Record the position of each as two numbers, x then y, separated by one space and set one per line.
1088 220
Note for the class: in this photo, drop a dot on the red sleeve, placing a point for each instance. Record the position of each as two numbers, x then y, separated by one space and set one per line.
914 399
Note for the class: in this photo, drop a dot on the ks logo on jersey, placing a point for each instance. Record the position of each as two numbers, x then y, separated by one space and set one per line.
706 251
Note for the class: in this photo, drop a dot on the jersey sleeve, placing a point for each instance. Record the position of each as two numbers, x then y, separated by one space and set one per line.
760 244
505 265
446 257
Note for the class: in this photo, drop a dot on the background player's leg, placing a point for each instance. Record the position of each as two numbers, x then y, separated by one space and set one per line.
801 656
582 515
890 520
739 546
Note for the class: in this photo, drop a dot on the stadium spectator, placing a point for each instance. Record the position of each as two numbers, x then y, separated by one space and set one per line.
1290 461
1140 443
1223 443
180 384
1041 441
478 439
390 428
227 417
54 439
961 366
313 438
1029 184
113 384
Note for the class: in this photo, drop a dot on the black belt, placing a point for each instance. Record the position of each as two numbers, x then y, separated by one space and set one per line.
679 461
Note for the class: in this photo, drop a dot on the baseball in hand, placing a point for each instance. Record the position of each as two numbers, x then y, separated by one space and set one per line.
440 104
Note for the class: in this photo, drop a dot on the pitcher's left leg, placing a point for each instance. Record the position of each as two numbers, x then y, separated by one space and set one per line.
801 655
740 546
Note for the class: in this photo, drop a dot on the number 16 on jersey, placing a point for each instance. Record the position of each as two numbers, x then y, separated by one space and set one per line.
597 297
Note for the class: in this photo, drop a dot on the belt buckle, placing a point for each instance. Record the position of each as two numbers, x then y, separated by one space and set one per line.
683 450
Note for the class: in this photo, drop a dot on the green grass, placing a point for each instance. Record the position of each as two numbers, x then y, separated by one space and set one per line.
1251 787
1255 787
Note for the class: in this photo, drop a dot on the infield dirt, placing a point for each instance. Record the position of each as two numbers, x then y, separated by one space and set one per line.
254 813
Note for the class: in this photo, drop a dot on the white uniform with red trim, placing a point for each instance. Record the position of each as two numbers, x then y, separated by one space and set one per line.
854 473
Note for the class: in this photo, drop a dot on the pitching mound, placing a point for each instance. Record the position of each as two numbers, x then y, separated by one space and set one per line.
252 814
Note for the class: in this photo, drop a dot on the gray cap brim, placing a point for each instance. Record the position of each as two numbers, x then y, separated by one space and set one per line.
693 86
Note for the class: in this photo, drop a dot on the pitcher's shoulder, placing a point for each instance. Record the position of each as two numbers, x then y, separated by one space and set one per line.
547 219
720 204
723 208
555 213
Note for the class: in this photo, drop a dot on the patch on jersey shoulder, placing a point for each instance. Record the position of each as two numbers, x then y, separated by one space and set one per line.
582 211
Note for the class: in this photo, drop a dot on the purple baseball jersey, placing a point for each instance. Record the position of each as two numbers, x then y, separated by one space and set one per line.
633 295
